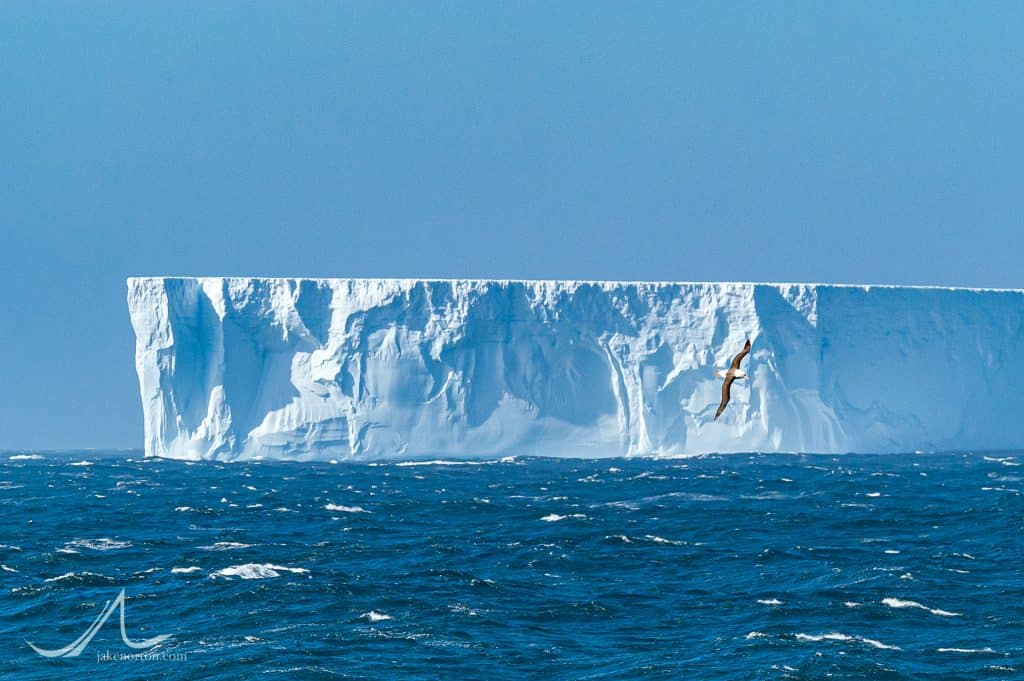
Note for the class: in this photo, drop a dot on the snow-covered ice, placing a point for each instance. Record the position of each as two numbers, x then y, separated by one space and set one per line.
236 368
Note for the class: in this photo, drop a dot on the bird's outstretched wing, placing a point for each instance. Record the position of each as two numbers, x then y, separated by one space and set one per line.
739 358
725 395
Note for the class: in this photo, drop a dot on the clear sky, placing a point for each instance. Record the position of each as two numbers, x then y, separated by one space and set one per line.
837 142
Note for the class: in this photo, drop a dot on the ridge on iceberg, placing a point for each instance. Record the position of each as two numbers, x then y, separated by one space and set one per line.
235 368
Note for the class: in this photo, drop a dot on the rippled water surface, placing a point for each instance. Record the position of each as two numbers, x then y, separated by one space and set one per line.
733 567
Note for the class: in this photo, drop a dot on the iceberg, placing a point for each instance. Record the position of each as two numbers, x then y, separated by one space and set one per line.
373 369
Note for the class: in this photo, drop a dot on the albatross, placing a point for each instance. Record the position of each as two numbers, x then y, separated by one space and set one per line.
731 375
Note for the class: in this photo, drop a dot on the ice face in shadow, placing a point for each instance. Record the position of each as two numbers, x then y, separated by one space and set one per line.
381 368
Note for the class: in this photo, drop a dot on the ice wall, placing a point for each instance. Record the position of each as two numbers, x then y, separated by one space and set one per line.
380 368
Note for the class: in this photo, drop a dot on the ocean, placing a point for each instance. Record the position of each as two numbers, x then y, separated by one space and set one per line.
717 567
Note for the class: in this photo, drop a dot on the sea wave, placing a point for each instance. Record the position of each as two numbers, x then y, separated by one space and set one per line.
345 509
898 603
836 636
257 571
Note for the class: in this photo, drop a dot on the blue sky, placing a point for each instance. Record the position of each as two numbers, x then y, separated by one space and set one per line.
846 142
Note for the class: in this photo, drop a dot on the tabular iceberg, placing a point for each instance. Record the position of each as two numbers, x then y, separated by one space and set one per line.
235 368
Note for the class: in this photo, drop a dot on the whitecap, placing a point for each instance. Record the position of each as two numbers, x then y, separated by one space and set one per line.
554 517
185 570
661 540
898 603
75 575
621 537
101 544
463 609
441 462
257 571
25 457
770 601
183 509
966 651
375 616
345 509
5 568
755 634
836 636
225 546
80 463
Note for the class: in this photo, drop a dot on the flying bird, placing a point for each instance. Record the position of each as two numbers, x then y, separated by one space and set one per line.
731 375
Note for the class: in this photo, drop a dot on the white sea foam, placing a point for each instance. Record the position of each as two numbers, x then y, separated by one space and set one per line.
898 603
225 546
375 616
183 509
101 544
80 463
5 568
661 540
185 570
74 575
852 604
25 457
345 509
443 462
257 571
966 651
836 636
770 601
554 517
1004 460
463 609
755 634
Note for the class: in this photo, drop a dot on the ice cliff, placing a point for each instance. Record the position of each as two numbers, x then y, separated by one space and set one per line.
233 368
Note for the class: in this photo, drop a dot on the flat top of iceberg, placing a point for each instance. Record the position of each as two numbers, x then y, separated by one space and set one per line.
594 282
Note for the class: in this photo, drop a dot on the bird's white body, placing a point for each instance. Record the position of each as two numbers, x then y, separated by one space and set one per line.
732 373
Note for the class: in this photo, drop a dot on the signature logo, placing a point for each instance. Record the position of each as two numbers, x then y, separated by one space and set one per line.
75 648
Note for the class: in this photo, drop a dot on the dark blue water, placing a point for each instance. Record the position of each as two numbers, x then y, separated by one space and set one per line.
732 567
